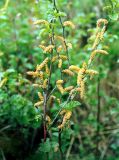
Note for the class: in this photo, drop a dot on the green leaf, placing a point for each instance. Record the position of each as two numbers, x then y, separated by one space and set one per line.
45 146
61 14
71 105
114 16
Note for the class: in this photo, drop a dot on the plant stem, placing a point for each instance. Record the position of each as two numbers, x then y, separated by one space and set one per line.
98 117
60 144
44 118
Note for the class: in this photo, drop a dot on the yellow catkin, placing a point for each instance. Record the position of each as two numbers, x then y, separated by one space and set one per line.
82 89
48 119
59 86
54 58
94 53
91 72
74 68
69 23
47 70
49 48
67 89
63 57
63 112
69 45
100 21
41 75
59 81
3 82
68 72
59 49
96 42
40 96
41 21
39 67
80 76
60 63
84 66
65 119
45 82
38 104
42 47
34 74
62 41
102 33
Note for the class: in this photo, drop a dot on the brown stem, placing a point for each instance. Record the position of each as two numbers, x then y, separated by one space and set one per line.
98 117
63 32
60 144
44 118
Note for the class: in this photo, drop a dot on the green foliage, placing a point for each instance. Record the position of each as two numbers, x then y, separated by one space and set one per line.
71 105
112 8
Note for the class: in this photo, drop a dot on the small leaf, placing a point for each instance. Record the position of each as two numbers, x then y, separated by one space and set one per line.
71 105
61 14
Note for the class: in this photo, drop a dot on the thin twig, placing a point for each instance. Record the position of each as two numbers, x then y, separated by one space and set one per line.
70 147
60 144
63 32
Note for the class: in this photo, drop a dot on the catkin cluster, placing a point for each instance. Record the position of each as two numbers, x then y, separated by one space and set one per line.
58 59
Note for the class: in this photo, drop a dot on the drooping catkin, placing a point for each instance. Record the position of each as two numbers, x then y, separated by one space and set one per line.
91 72
67 89
3 82
82 89
96 42
68 72
65 119
38 104
100 21
47 70
59 81
40 96
69 23
59 86
63 57
48 119
39 67
74 68
93 54
80 76
60 63
62 40
42 47
99 34
49 48
41 74
54 58
41 21
34 74
45 82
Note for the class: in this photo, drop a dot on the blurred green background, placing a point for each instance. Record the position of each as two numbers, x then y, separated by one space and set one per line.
21 130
